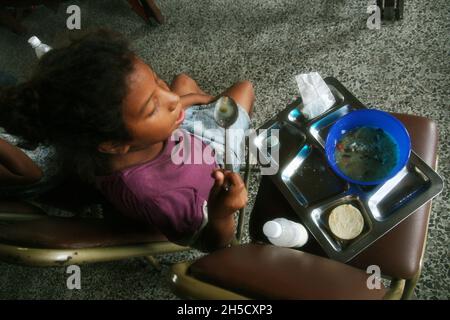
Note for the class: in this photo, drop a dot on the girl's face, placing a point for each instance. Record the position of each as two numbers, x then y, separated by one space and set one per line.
151 110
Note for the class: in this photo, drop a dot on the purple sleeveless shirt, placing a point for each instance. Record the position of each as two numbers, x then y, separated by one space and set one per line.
167 195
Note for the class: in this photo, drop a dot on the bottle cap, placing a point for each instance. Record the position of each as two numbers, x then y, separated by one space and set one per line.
34 41
272 229
302 235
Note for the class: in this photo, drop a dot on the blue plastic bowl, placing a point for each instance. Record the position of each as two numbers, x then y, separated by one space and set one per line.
373 119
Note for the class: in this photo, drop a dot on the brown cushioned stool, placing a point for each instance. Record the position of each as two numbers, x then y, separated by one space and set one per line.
269 272
278 273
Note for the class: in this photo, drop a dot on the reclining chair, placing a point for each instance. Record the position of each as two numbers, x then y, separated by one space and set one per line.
256 271
29 236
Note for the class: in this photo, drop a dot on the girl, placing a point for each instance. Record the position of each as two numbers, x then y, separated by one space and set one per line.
97 99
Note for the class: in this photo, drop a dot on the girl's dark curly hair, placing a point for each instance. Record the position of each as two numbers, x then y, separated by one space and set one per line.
74 98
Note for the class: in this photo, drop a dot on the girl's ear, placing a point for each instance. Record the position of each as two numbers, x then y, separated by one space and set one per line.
112 147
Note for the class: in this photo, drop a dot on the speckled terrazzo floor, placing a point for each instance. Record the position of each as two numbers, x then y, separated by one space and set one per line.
403 67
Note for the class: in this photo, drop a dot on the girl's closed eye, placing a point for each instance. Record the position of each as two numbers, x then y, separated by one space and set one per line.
152 112
155 109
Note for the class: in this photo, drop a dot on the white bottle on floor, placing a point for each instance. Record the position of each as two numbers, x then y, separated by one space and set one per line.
39 47
285 233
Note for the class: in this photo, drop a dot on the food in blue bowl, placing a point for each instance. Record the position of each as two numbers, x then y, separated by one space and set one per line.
367 147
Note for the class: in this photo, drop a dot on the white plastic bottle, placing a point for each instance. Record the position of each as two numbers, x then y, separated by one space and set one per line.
39 47
285 233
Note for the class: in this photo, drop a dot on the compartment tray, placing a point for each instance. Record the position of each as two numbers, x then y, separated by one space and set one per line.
313 190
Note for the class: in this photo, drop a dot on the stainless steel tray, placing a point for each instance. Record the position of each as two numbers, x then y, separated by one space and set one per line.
313 189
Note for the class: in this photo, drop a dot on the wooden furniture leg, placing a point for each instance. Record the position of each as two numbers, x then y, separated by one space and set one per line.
137 7
147 8
154 9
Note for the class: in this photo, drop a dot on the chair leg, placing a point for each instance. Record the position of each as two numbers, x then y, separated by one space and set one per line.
151 6
154 262
410 285
396 290
137 7
147 8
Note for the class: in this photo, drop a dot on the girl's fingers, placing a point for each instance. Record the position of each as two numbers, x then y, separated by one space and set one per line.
218 182
219 177
233 184
234 179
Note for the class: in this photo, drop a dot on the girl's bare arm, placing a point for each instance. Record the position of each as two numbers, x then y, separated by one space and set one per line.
16 168
195 99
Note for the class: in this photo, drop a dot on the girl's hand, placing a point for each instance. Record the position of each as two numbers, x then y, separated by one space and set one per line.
188 99
191 99
223 202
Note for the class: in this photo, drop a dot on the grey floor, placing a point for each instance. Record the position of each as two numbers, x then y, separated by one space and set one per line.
403 67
